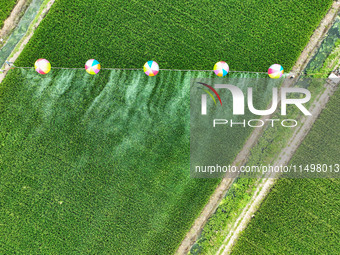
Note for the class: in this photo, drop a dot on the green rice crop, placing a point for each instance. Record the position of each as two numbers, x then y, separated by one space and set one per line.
249 35
98 164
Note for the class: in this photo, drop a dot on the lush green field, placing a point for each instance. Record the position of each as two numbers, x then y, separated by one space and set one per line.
96 164
302 216
6 7
249 35
99 164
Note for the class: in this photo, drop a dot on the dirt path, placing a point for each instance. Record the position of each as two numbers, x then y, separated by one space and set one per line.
13 19
241 158
21 45
286 154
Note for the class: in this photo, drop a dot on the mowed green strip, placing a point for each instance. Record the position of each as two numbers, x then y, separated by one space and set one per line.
6 7
249 35
302 216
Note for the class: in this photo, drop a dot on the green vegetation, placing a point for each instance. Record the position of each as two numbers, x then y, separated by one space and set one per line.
301 216
218 226
330 63
96 164
325 60
249 35
102 154
98 158
5 9
99 164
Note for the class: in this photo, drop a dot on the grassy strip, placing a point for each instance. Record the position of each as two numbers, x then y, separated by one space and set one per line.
331 62
218 226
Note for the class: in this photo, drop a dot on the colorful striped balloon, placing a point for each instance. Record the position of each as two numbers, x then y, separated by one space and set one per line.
151 68
221 68
42 66
92 66
275 71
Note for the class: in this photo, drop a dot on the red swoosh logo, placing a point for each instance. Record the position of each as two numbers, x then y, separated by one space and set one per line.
212 89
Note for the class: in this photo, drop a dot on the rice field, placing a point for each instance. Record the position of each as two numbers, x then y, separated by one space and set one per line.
100 164
96 164
248 35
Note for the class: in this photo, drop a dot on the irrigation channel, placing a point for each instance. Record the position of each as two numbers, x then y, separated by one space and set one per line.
20 30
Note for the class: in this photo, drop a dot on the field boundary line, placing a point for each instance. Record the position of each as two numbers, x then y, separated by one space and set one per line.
241 158
175 70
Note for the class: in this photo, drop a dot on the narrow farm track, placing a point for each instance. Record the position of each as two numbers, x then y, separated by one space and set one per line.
241 158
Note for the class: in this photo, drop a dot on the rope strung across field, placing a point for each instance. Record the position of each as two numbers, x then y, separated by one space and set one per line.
176 70
138 69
